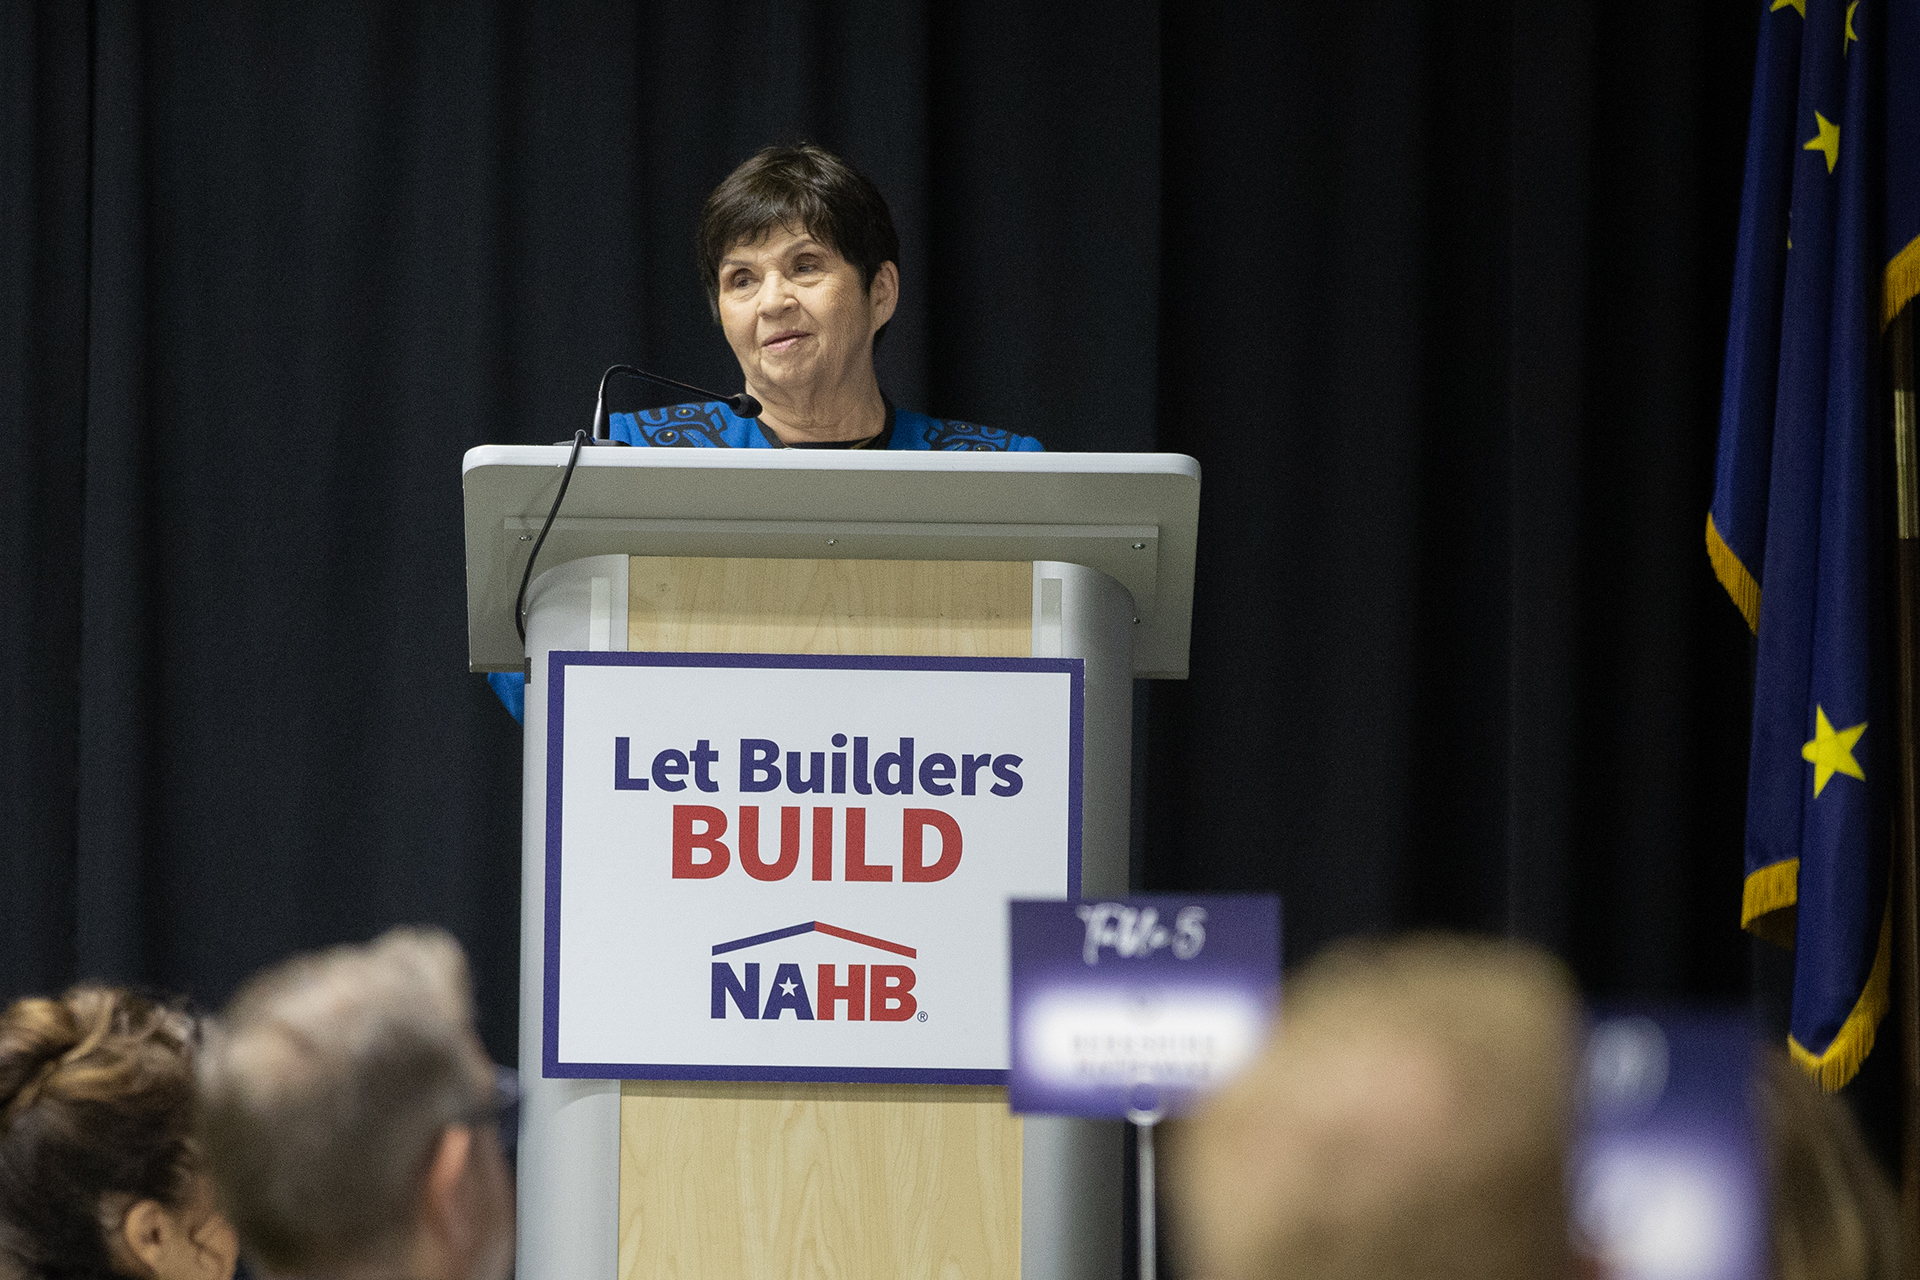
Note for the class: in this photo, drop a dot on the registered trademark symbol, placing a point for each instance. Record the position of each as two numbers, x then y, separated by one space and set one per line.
922 1015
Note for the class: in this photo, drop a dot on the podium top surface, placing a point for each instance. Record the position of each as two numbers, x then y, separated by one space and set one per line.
1133 516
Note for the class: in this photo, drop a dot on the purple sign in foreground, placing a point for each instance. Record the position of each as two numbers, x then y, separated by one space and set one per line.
1136 1006
1668 1177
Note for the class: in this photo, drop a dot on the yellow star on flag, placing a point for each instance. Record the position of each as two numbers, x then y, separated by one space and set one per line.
1798 6
1831 750
1849 36
1827 140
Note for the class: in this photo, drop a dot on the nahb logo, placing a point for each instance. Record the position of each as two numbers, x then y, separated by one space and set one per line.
868 992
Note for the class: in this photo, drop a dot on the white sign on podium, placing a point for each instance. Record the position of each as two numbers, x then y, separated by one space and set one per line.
776 867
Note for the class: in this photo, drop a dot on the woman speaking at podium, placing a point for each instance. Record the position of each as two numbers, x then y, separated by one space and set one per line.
799 257
800 260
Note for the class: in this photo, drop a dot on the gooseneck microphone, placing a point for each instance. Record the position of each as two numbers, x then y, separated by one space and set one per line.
743 404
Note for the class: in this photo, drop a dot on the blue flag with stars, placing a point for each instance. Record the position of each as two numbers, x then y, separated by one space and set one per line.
1798 528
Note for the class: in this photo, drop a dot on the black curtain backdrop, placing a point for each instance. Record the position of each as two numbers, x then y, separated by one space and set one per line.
1435 292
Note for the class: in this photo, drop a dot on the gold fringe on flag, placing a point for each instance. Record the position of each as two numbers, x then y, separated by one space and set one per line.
1733 575
1767 906
1854 1040
1901 282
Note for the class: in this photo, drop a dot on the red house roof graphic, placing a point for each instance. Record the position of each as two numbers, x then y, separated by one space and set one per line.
816 926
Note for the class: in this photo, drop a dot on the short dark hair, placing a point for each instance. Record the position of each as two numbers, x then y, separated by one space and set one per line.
802 186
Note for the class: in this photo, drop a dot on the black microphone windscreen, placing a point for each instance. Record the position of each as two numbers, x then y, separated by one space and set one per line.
744 405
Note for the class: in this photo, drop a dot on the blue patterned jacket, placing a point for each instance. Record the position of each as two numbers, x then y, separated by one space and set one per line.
711 425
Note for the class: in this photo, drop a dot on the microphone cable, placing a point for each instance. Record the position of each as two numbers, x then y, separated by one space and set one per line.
743 404
520 601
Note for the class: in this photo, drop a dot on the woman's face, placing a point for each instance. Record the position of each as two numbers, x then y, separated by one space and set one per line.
797 317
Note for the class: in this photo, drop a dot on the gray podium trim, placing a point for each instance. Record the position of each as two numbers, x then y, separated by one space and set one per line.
569 1153
1133 517
1072 1170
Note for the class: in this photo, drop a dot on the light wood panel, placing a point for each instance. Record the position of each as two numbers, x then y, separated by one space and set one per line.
818 1182
955 608
803 1181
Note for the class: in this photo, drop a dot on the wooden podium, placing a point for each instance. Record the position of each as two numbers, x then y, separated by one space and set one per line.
967 555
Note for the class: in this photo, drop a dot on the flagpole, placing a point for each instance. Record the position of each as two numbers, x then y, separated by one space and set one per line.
1906 883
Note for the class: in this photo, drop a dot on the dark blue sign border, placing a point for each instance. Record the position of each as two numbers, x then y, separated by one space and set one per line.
558 662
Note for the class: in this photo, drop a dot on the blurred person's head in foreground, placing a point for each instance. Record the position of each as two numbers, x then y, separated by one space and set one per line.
1834 1214
1411 1118
349 1120
99 1172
